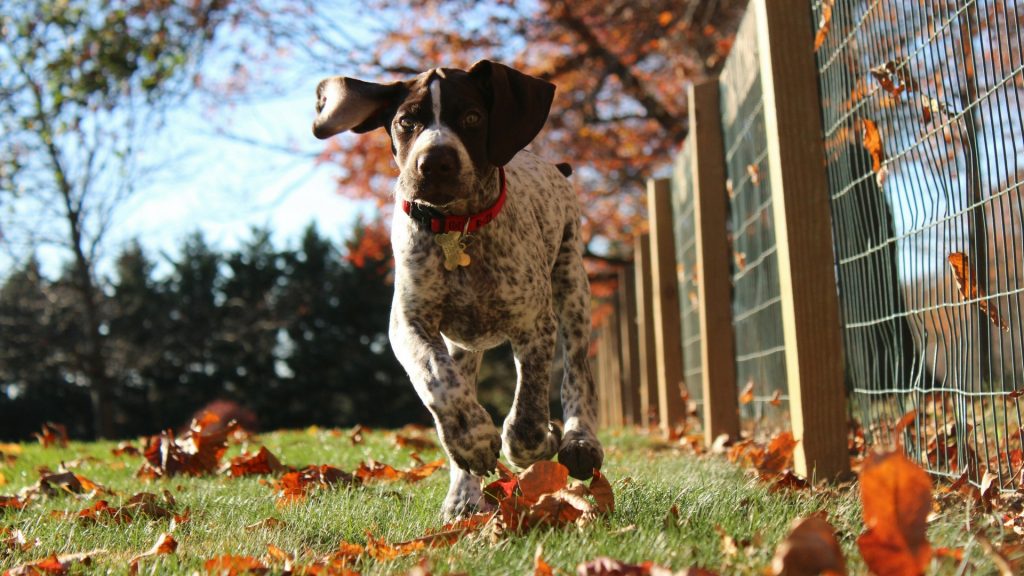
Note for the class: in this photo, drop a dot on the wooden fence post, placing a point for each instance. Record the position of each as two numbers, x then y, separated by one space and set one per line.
803 231
629 346
710 207
667 327
648 358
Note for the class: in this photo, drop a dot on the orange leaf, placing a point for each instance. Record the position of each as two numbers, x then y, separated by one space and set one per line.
889 73
262 462
53 434
824 24
872 142
601 490
165 544
779 454
540 567
966 281
755 174
423 471
665 18
897 497
234 565
776 399
809 549
747 394
543 477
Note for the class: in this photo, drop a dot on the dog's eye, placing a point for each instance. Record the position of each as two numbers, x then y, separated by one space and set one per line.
471 119
406 123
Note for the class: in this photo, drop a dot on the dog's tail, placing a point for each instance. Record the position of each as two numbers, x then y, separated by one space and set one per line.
564 168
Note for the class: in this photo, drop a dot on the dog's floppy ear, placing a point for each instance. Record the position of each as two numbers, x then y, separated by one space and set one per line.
518 107
349 104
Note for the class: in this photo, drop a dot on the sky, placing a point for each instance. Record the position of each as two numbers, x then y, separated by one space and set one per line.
214 177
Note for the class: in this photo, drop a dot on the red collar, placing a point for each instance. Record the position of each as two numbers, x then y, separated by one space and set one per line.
438 223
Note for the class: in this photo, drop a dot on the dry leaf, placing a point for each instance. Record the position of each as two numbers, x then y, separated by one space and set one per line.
747 394
260 463
543 477
776 399
778 455
897 498
233 565
824 24
810 548
53 434
755 174
540 567
966 281
890 73
871 139
165 544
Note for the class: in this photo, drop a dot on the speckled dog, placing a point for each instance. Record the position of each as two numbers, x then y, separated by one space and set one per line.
487 250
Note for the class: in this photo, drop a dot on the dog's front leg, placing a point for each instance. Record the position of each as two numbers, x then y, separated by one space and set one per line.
466 430
528 435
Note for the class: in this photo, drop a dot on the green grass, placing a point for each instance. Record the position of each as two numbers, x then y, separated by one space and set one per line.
648 479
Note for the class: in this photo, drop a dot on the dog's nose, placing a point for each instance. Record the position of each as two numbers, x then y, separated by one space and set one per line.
438 161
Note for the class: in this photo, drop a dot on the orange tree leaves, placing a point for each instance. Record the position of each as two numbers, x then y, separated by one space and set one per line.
542 496
897 498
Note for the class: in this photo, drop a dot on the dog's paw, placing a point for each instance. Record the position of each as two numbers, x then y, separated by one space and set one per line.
476 444
465 498
524 446
581 453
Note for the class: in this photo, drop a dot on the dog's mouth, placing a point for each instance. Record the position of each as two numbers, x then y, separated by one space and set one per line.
444 198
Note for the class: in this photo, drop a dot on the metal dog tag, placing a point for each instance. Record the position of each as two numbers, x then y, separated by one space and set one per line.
453 247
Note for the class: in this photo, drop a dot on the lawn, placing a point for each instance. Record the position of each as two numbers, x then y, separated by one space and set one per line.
674 509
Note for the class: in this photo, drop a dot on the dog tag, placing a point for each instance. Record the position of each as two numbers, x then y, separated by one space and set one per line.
453 247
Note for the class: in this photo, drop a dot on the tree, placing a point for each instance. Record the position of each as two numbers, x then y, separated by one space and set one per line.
82 82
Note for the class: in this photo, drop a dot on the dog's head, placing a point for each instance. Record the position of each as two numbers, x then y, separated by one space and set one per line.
449 128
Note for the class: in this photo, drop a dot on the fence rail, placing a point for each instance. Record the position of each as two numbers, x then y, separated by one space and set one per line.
844 241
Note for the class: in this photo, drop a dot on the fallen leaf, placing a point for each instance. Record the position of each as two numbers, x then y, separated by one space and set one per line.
897 498
540 567
260 463
53 434
932 106
54 564
414 442
228 565
266 524
824 24
541 478
601 490
195 453
778 455
966 281
165 544
871 139
356 435
295 486
776 399
810 548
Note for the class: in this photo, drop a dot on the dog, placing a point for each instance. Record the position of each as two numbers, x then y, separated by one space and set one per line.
488 249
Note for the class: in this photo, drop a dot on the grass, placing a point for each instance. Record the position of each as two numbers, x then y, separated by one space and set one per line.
711 495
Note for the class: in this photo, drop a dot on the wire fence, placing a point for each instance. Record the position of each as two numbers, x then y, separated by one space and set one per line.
923 139
757 320
924 135
686 256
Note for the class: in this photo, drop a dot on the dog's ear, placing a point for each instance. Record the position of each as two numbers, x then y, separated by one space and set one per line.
349 104
518 107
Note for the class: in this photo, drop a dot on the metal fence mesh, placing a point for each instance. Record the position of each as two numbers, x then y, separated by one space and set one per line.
924 135
757 317
686 258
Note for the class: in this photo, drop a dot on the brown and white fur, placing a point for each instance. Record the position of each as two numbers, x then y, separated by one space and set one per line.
450 130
